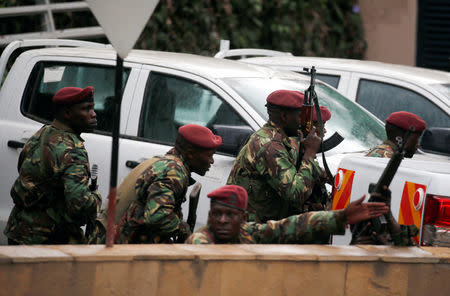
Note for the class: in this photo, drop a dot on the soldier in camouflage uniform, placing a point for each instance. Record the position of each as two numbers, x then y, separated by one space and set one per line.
52 198
227 222
396 126
266 165
155 215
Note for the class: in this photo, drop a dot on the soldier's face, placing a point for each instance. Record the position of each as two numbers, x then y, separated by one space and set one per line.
411 145
292 122
82 117
200 161
225 222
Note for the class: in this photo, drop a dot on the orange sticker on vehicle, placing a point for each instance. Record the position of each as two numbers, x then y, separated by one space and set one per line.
342 188
411 205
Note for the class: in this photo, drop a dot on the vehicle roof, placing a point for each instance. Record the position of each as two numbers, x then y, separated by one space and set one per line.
207 66
420 75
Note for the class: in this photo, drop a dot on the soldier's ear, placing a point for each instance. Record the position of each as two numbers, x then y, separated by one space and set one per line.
283 116
189 154
245 217
67 113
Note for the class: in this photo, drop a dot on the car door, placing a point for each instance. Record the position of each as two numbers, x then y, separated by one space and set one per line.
167 99
382 95
33 108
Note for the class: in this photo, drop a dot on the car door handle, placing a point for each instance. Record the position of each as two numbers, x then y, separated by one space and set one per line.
131 164
15 144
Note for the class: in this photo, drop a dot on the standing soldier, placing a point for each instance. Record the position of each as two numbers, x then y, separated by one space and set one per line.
227 222
154 214
266 165
52 198
396 126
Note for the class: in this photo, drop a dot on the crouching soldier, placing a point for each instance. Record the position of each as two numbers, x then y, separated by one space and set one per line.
228 215
393 233
154 214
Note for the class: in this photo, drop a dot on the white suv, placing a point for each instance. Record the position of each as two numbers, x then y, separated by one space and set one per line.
381 88
162 91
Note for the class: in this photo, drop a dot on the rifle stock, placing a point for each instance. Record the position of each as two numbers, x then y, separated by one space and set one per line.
193 203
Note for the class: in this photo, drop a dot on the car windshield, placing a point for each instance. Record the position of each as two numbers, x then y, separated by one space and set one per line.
359 128
444 89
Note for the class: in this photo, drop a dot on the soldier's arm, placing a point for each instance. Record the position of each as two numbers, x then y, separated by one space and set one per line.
81 203
198 238
282 175
401 235
308 228
160 206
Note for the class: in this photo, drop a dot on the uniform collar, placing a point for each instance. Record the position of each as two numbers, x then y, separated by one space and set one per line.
391 144
64 127
282 135
177 154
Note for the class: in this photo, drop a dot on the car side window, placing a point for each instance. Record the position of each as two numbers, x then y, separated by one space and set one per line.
48 77
332 80
381 99
170 102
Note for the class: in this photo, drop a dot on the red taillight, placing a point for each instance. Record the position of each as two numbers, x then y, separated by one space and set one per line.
437 210
436 221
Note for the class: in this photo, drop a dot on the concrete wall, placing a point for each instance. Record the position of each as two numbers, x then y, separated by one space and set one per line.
390 30
255 270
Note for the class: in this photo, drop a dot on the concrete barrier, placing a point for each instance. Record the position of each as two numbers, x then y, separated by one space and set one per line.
256 270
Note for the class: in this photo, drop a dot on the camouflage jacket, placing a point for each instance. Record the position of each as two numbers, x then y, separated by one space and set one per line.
266 168
156 217
384 150
307 228
51 196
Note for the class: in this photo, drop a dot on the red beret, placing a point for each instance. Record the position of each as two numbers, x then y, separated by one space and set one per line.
73 95
405 120
200 136
324 112
230 195
286 98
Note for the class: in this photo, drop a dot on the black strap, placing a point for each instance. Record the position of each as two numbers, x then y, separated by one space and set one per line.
319 120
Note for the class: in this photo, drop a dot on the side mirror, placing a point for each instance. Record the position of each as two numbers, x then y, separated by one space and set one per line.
436 140
233 137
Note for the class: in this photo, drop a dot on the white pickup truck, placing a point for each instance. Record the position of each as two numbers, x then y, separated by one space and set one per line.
161 92
420 192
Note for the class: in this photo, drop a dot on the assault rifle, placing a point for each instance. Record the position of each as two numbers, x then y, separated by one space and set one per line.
311 101
90 225
385 180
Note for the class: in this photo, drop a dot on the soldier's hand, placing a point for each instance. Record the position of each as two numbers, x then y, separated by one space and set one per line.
383 196
311 144
358 211
184 231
